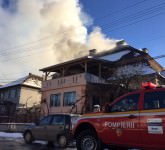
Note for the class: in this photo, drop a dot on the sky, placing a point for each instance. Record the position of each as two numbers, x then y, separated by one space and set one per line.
140 22
38 33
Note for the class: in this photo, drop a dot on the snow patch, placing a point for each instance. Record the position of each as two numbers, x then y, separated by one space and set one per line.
162 73
131 70
11 135
115 56
17 82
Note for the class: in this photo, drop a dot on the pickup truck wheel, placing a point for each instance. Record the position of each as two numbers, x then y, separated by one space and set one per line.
62 141
87 140
28 137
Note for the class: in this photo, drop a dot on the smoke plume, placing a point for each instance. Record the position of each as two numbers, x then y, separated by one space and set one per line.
38 33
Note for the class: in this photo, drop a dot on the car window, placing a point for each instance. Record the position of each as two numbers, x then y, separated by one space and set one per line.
128 103
154 100
58 120
46 120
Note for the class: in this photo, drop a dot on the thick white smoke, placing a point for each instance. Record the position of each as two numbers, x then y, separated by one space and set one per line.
55 30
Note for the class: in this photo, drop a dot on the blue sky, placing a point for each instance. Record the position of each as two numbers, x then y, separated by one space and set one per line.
10 5
140 22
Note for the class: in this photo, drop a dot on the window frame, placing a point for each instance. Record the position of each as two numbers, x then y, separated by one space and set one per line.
70 103
53 101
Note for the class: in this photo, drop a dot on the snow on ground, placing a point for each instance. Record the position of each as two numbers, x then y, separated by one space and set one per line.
11 135
16 136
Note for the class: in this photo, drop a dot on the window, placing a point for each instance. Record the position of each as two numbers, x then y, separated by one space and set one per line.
46 120
69 98
55 100
58 120
128 103
12 93
1 96
154 100
17 92
6 95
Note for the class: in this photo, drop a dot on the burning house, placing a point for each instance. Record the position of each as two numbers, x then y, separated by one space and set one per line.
77 85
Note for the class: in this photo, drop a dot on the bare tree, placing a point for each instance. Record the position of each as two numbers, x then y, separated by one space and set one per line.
129 76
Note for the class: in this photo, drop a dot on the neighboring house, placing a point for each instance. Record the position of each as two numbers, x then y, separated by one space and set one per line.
77 85
22 93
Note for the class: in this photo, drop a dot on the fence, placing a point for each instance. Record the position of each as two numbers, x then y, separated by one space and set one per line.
14 127
23 118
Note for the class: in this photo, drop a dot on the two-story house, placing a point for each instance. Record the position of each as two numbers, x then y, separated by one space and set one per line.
79 84
22 93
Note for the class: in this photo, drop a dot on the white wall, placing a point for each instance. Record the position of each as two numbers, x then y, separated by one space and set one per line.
29 96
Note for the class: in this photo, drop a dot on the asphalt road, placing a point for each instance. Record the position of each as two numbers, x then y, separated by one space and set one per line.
7 143
18 144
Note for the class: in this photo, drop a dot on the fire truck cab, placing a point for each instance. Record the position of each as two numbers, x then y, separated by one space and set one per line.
134 120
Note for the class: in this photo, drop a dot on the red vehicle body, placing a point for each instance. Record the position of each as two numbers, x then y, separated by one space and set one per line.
135 120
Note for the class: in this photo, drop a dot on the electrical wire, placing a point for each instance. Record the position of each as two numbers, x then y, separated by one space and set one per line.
145 14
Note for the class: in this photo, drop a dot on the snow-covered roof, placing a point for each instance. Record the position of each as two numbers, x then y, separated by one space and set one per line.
131 70
118 55
162 73
13 83
27 81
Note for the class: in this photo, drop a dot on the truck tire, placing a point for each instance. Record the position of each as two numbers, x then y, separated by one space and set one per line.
28 137
87 140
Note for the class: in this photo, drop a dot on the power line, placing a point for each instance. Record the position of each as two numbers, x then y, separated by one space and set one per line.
29 43
44 38
140 14
134 16
160 56
153 39
116 22
120 10
136 22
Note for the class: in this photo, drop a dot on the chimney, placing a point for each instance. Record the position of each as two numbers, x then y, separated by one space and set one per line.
92 52
120 43
145 50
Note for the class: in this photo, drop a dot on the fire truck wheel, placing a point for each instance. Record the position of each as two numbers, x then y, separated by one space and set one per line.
87 140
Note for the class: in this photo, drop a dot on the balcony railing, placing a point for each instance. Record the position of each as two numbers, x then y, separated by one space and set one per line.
73 80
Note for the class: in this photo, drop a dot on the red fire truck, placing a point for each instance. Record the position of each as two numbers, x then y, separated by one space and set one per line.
134 120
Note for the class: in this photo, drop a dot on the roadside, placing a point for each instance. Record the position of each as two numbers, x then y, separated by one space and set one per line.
15 141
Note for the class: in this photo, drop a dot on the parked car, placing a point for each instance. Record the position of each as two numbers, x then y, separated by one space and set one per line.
134 120
52 128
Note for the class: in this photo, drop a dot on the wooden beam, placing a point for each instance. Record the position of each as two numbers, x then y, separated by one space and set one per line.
86 67
46 75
